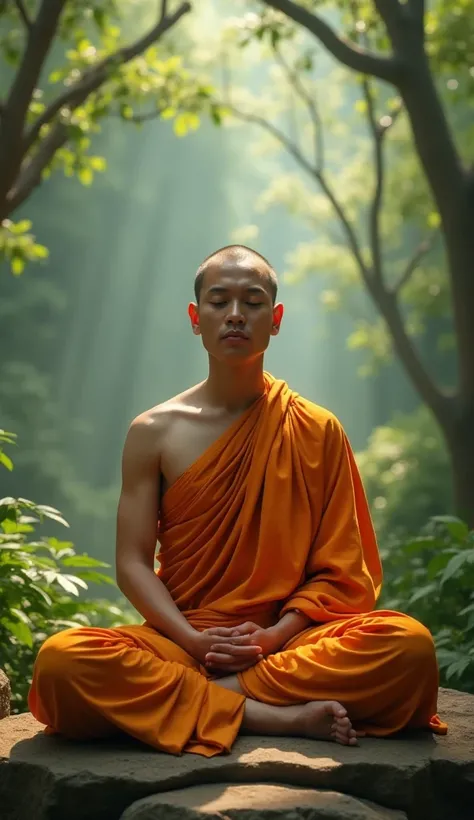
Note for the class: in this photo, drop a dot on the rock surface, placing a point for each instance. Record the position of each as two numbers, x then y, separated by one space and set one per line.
4 695
252 802
422 777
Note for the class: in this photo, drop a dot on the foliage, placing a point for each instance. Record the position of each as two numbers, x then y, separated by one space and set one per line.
41 580
71 67
406 475
332 139
380 194
431 577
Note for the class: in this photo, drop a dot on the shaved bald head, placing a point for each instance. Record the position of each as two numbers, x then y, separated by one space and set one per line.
237 255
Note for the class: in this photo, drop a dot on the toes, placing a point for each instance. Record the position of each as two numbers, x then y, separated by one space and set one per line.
335 709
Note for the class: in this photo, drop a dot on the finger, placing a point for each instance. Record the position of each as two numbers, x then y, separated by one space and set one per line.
236 640
213 658
219 631
238 651
248 626
232 669
230 657
240 640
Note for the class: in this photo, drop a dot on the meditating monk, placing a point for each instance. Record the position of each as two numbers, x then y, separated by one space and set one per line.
261 616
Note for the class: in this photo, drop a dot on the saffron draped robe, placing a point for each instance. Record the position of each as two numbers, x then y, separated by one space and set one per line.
271 517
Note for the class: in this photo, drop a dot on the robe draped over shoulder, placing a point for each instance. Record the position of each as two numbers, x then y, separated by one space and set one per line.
271 517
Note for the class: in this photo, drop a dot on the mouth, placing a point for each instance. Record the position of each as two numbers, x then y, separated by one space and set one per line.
235 339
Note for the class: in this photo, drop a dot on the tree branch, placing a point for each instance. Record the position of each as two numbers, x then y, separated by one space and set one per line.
12 149
374 215
96 76
384 299
421 251
318 175
437 400
30 177
389 69
299 87
23 13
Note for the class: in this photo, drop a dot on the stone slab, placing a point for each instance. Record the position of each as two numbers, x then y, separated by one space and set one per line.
256 801
428 777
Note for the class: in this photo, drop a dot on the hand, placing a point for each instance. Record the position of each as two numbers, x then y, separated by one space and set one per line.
226 655
244 653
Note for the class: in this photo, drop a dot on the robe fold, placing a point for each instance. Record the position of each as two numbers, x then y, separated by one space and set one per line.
271 517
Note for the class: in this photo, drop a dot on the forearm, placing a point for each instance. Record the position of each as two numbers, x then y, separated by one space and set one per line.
290 625
150 597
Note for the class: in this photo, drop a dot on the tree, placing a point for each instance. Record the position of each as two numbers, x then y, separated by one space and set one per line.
69 70
399 43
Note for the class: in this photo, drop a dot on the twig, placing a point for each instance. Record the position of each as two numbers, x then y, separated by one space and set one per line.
23 14
423 248
318 175
302 92
139 118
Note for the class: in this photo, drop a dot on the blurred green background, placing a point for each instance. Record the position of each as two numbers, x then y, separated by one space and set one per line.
97 331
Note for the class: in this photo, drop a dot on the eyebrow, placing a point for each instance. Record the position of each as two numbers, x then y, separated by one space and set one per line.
222 289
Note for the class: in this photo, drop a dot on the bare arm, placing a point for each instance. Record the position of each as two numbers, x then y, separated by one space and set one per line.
137 520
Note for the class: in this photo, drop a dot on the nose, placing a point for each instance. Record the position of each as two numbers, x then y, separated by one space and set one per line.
235 316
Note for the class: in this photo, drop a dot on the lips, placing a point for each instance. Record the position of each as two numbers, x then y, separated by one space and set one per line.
234 334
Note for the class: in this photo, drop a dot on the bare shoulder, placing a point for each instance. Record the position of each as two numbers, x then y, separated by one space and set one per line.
151 428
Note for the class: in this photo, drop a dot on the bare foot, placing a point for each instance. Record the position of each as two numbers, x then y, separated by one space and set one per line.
319 719
324 720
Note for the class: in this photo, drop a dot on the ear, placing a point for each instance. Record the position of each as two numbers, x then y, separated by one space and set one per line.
278 311
193 313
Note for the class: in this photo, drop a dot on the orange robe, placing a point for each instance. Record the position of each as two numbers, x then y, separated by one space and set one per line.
272 517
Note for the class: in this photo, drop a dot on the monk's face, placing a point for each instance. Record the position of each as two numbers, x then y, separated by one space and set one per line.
236 315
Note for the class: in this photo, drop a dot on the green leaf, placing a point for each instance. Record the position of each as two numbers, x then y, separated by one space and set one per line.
86 176
40 251
51 513
21 631
48 601
74 579
97 578
434 220
6 461
83 561
66 584
457 528
21 227
98 163
422 593
17 265
455 564
181 125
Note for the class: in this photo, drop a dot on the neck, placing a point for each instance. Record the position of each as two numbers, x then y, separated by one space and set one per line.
236 387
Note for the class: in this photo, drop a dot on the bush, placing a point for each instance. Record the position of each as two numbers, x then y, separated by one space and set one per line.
406 474
41 580
431 577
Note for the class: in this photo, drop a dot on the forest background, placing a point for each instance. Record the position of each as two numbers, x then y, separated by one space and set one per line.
137 137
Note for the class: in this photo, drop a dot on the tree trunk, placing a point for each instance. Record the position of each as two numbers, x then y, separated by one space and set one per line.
460 440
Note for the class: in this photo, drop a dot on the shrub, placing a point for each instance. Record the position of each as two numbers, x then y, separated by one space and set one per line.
41 581
431 577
